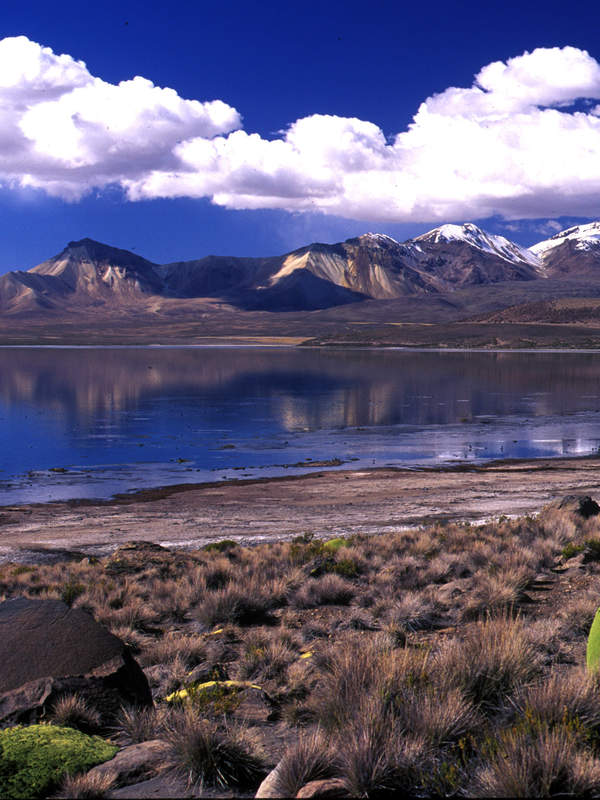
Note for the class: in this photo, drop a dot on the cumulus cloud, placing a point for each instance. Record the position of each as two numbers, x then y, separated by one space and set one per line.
65 131
511 144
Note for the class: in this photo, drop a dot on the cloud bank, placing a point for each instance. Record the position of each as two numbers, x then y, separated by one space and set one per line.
511 144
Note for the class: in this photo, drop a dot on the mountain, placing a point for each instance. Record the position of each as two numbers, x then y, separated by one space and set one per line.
85 273
88 276
575 251
373 266
464 255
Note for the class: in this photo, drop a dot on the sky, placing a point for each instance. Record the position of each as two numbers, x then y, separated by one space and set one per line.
183 129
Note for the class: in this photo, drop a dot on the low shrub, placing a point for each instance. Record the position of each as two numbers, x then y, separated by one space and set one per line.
70 591
222 546
34 759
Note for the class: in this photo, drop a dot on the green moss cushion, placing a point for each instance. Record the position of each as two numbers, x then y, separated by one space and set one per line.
34 759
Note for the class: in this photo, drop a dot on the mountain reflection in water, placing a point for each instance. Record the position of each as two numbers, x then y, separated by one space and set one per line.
122 418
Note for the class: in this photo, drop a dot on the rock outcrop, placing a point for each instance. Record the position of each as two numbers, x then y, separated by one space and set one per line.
48 650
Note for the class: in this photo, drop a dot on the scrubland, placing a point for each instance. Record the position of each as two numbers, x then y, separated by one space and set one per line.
444 660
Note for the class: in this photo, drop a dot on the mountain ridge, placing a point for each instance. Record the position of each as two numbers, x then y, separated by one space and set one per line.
88 275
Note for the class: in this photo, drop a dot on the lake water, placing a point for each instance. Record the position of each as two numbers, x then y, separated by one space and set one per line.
89 422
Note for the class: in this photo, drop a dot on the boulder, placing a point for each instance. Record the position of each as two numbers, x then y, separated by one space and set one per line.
580 504
136 763
328 787
270 785
168 785
48 650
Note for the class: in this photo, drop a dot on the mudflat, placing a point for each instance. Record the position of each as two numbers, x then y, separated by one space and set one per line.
321 503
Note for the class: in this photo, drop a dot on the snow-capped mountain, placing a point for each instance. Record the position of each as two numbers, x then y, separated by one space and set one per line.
585 237
574 251
486 242
464 255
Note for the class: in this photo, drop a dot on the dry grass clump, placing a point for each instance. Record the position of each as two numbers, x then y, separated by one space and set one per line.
135 725
547 763
578 611
571 696
247 602
95 786
310 758
330 589
490 661
191 649
414 611
74 711
437 716
265 658
213 754
375 757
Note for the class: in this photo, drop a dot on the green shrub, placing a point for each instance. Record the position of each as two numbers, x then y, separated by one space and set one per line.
70 591
222 546
571 549
34 759
592 550
333 545
346 567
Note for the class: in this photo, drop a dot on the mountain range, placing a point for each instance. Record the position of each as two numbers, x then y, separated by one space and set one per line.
89 277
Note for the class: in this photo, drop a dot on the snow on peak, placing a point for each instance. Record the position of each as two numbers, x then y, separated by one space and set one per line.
378 238
585 237
488 242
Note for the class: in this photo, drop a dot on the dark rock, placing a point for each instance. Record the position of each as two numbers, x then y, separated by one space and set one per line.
580 504
137 762
48 650
328 787
166 785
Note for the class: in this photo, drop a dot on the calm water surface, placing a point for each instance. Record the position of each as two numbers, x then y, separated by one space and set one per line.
90 422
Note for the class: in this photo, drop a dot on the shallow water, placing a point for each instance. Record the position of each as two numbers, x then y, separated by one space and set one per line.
89 422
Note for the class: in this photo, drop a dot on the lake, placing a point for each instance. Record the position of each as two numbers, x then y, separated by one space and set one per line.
90 422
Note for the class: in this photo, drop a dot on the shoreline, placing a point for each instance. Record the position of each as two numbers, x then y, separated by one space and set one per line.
319 503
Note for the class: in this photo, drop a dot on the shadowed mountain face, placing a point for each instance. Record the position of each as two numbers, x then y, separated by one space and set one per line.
88 275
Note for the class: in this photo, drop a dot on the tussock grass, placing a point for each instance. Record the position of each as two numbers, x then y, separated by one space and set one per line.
74 711
490 661
437 661
310 758
213 754
86 786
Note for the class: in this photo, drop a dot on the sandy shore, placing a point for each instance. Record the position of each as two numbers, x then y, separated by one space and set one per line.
321 503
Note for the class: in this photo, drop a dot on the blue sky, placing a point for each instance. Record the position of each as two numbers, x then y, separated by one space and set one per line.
272 64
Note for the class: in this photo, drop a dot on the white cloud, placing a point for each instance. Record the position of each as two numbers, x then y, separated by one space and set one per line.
65 131
510 144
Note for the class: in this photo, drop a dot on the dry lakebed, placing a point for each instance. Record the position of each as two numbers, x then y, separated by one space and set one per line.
320 503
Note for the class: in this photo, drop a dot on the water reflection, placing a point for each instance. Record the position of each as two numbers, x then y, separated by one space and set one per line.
128 417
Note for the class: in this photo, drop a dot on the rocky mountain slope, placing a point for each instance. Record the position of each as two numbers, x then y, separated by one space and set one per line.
575 251
88 275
